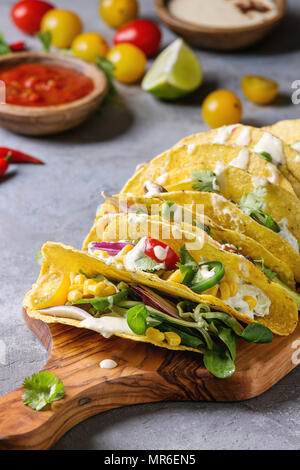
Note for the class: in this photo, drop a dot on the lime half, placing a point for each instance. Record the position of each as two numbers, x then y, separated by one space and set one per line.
175 72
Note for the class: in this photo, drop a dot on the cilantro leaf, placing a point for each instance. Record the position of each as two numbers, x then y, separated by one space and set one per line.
146 264
108 68
46 39
253 201
206 180
266 156
41 389
4 47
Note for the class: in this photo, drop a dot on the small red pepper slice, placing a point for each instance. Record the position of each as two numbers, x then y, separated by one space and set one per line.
161 253
4 164
17 46
19 157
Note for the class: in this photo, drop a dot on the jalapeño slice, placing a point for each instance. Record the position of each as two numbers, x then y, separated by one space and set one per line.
200 283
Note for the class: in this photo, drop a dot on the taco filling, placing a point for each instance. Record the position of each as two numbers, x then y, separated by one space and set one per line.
133 311
207 277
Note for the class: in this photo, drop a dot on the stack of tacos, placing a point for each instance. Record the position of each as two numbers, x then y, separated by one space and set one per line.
199 249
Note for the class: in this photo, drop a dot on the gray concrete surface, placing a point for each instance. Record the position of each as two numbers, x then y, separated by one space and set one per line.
58 201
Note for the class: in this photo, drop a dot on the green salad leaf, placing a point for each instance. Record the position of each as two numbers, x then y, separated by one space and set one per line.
137 319
253 204
146 264
257 333
206 180
260 263
41 389
219 363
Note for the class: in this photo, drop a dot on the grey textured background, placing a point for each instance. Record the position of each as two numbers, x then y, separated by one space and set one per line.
57 202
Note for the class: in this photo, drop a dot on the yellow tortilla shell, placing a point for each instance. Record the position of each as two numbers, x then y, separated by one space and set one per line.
248 246
283 315
179 158
61 258
290 168
288 130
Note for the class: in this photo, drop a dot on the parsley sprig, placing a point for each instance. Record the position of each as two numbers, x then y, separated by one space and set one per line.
41 389
253 204
206 180
4 47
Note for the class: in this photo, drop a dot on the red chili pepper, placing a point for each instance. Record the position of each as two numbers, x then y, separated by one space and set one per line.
4 164
18 157
17 46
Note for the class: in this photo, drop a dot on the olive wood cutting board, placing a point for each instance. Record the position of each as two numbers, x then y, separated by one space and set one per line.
144 374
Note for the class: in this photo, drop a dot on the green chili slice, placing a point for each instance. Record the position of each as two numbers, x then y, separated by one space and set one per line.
199 284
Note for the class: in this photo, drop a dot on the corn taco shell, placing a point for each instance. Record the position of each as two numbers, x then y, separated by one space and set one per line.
61 259
182 157
283 315
283 156
288 131
245 245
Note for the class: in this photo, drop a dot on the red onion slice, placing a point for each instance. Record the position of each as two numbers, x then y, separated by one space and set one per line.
112 248
156 301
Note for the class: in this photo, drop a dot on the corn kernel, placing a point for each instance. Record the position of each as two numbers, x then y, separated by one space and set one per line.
251 301
224 290
79 279
176 277
109 290
75 295
212 291
155 335
90 282
173 339
126 249
72 277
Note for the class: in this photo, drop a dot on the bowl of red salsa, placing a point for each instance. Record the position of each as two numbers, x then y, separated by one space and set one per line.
48 93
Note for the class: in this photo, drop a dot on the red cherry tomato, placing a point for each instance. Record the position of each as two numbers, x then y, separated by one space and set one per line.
27 14
161 253
144 34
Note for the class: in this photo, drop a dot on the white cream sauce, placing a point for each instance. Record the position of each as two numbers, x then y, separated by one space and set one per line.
107 325
242 160
272 145
108 364
222 13
287 235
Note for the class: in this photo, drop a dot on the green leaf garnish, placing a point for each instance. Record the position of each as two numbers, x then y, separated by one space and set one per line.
257 333
266 156
108 68
41 389
4 47
146 264
219 363
253 204
204 227
206 180
260 263
229 339
253 201
46 39
137 319
39 258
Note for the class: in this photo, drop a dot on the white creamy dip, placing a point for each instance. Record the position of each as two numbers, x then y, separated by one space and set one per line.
263 303
242 160
287 235
272 145
224 133
108 364
223 13
106 325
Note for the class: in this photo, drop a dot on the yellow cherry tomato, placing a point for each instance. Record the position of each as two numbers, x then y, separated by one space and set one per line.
222 107
52 290
129 62
260 90
64 26
116 13
89 46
